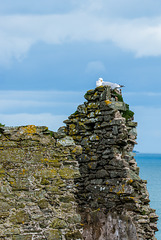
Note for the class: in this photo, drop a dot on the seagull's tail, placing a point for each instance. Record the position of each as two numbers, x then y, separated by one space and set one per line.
122 86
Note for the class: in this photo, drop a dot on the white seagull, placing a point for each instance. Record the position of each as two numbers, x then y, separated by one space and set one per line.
100 82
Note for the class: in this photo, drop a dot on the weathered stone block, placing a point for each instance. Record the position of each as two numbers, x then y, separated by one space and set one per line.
102 173
67 141
73 235
22 237
58 223
20 217
53 234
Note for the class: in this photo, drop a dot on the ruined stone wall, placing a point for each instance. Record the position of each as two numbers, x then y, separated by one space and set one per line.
81 182
37 191
113 201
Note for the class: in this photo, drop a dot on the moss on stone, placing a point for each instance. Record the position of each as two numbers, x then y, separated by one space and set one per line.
97 112
52 189
20 217
76 113
77 150
58 224
59 183
2 171
89 94
51 133
68 173
128 114
22 237
92 105
4 209
67 199
73 235
53 234
53 162
43 203
77 138
119 96
47 173
66 207
44 181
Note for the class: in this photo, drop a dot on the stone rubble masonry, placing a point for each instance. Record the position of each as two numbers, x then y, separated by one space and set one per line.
37 190
112 199
81 182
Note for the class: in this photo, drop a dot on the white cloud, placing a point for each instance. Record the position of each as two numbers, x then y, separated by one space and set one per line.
141 36
19 32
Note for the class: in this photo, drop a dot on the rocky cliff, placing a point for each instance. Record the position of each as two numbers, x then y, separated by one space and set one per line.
81 182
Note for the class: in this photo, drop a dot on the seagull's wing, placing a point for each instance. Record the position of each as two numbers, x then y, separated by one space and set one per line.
112 85
107 83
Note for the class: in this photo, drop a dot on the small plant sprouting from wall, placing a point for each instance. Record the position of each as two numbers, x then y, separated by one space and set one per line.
128 114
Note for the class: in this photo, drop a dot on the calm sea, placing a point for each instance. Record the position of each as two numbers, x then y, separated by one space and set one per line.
150 170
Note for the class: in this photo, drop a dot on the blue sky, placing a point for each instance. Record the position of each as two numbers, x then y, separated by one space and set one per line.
52 52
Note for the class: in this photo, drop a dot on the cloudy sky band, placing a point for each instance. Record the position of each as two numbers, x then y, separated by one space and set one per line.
18 33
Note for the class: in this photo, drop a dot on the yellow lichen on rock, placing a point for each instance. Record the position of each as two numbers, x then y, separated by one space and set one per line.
130 181
77 150
29 130
111 189
108 102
